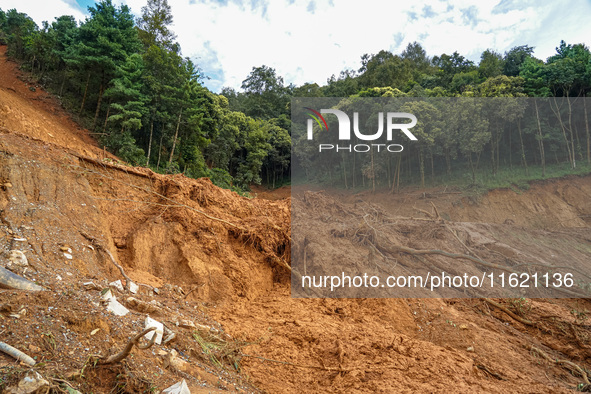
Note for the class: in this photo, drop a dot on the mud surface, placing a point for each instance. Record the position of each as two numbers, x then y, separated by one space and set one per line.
220 264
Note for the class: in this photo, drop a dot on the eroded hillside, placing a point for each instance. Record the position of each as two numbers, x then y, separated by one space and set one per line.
214 268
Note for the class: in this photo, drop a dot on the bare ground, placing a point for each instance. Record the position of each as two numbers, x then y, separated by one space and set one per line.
221 262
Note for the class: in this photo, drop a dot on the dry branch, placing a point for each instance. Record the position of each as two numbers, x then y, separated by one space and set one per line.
507 311
127 278
572 366
133 342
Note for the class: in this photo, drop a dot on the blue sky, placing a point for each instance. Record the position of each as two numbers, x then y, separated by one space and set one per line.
308 41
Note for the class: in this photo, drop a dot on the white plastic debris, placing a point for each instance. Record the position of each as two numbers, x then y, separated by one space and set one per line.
133 287
113 305
159 330
178 388
117 284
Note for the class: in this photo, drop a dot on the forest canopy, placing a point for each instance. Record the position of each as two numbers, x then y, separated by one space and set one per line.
125 79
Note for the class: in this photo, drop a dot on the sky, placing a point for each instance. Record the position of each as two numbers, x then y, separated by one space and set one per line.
308 41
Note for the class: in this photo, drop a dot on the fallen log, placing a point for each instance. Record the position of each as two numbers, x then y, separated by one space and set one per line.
9 280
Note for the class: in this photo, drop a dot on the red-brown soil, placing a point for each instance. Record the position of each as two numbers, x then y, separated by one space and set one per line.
221 261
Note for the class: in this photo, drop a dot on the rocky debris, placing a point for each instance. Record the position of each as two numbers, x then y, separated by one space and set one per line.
17 259
151 307
32 383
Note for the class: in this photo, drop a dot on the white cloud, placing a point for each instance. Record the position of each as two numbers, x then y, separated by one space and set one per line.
227 38
41 10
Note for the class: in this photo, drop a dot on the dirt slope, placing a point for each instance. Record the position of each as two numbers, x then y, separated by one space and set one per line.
219 261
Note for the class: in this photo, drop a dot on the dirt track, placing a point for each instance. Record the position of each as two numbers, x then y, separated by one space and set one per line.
228 273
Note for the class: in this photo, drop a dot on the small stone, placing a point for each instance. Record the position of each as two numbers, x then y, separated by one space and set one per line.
470 349
18 259
463 327
33 382
186 324
68 256
94 331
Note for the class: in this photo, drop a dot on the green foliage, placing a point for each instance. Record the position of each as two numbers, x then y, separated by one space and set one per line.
123 145
128 79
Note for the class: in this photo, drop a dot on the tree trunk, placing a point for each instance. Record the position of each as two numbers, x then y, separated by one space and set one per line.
472 168
150 141
540 141
432 170
373 175
107 117
98 105
523 159
422 169
84 97
176 135
563 128
63 83
159 152
587 132
570 126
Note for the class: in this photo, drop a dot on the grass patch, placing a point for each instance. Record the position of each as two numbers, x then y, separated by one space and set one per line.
219 352
516 178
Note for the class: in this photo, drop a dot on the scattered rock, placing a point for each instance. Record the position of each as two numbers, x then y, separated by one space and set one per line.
172 360
17 259
186 324
133 287
470 349
142 306
68 256
33 382
91 286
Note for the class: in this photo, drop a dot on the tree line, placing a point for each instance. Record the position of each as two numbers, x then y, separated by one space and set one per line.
127 80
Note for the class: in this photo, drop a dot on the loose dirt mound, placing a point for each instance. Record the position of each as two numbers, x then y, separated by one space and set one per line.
220 266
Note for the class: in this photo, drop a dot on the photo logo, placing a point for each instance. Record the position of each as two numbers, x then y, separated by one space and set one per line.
315 115
344 132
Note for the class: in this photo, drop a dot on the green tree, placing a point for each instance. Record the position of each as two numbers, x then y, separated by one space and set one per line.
491 64
515 58
105 41
154 25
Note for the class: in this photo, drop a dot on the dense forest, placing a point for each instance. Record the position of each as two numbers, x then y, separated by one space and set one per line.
126 80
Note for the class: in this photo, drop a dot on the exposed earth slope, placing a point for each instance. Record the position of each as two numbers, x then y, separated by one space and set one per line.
214 268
